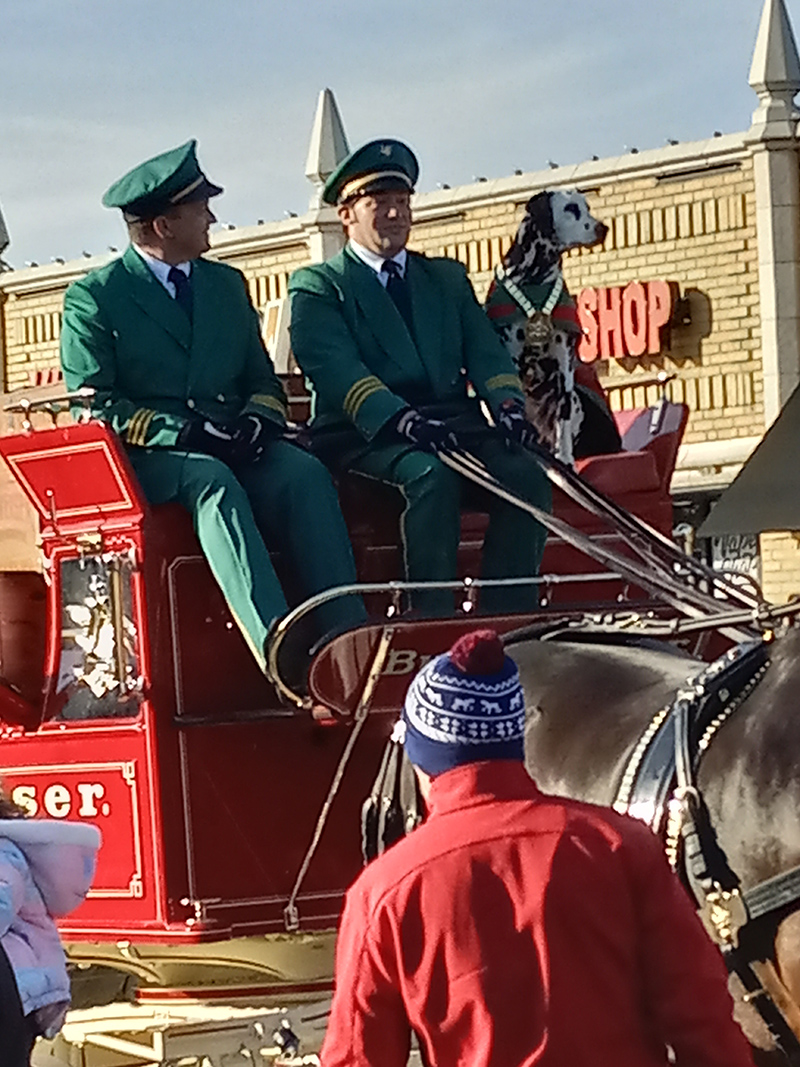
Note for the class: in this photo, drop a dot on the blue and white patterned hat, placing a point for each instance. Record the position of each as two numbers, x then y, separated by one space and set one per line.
465 706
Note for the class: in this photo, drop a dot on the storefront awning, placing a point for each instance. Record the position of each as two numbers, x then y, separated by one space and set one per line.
765 495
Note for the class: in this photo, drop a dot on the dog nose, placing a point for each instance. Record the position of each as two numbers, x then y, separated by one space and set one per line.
602 231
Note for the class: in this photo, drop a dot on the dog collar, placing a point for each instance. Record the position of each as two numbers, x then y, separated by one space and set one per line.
526 305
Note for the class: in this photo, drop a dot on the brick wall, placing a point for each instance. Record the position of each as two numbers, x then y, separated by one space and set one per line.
689 221
780 565
268 272
694 229
698 231
32 324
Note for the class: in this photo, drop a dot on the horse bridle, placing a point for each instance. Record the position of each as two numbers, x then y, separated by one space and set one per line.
659 786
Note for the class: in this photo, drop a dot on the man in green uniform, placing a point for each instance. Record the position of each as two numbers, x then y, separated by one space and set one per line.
170 343
391 341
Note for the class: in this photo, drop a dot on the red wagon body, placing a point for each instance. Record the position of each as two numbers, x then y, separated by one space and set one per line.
131 701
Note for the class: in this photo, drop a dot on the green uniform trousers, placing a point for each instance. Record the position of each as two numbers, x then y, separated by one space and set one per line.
287 500
431 522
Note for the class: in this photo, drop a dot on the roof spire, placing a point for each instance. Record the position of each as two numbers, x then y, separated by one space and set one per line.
328 146
775 73
5 241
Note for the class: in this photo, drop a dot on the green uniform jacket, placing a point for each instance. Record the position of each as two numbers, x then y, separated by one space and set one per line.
153 369
351 341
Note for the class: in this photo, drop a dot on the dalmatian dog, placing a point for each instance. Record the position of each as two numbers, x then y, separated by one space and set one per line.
530 308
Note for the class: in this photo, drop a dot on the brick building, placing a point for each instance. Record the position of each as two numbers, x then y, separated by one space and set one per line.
718 221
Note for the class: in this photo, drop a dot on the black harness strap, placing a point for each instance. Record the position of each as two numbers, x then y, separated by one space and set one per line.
649 776
690 722
773 894
394 805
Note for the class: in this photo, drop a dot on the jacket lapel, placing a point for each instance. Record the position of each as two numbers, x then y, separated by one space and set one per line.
426 304
151 296
213 327
381 314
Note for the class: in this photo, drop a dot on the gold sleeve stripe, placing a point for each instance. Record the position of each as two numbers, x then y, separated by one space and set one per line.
138 425
359 392
267 401
129 429
504 381
144 427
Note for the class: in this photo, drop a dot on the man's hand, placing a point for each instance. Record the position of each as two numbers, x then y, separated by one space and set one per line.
215 439
251 435
430 435
512 422
237 443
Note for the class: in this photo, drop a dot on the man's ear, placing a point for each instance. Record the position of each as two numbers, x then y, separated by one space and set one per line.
162 227
424 781
345 213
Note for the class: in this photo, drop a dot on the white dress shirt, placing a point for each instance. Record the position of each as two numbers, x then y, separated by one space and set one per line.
376 260
162 269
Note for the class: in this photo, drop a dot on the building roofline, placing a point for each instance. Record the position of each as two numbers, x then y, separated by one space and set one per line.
439 203
654 162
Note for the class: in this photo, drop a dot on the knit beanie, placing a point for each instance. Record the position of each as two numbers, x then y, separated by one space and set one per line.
464 706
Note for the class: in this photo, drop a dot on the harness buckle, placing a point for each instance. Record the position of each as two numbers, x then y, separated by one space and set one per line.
723 914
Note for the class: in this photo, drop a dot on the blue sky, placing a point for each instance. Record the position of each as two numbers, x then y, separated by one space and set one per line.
91 87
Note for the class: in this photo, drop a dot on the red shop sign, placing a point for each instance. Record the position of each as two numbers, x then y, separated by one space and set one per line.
619 322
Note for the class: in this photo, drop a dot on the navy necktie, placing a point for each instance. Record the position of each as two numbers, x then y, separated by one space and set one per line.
397 288
183 289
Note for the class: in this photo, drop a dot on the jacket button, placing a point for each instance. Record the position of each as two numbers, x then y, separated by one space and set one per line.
221 398
190 403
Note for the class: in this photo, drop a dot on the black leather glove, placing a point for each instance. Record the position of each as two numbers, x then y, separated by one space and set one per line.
430 435
215 439
251 435
512 422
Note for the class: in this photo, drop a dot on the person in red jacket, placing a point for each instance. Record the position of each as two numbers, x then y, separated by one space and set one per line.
515 928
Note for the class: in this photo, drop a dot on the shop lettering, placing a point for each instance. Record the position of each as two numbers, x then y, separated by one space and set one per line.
60 802
619 322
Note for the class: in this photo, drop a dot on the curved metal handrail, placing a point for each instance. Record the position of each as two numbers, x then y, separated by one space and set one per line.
396 589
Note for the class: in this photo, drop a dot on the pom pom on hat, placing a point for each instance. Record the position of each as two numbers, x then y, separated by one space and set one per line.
480 652
465 706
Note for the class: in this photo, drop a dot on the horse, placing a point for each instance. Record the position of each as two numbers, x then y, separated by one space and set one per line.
587 707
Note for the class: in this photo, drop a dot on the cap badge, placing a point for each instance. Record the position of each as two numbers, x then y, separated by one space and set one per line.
386 150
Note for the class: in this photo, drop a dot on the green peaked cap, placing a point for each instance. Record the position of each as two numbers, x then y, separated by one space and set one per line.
161 183
378 165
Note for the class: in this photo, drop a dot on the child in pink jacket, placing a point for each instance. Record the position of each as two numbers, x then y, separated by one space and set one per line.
46 869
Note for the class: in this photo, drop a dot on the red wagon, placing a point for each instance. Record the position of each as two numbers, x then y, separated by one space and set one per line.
129 699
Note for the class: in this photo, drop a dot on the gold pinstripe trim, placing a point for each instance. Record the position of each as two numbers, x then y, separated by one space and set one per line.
190 188
138 425
270 402
355 184
504 381
359 392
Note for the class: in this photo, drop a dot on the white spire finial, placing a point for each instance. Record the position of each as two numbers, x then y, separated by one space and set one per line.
328 145
775 73
5 240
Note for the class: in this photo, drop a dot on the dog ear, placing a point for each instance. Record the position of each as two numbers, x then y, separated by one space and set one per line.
540 212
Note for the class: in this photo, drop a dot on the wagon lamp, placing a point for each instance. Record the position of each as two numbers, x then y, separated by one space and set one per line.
470 596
